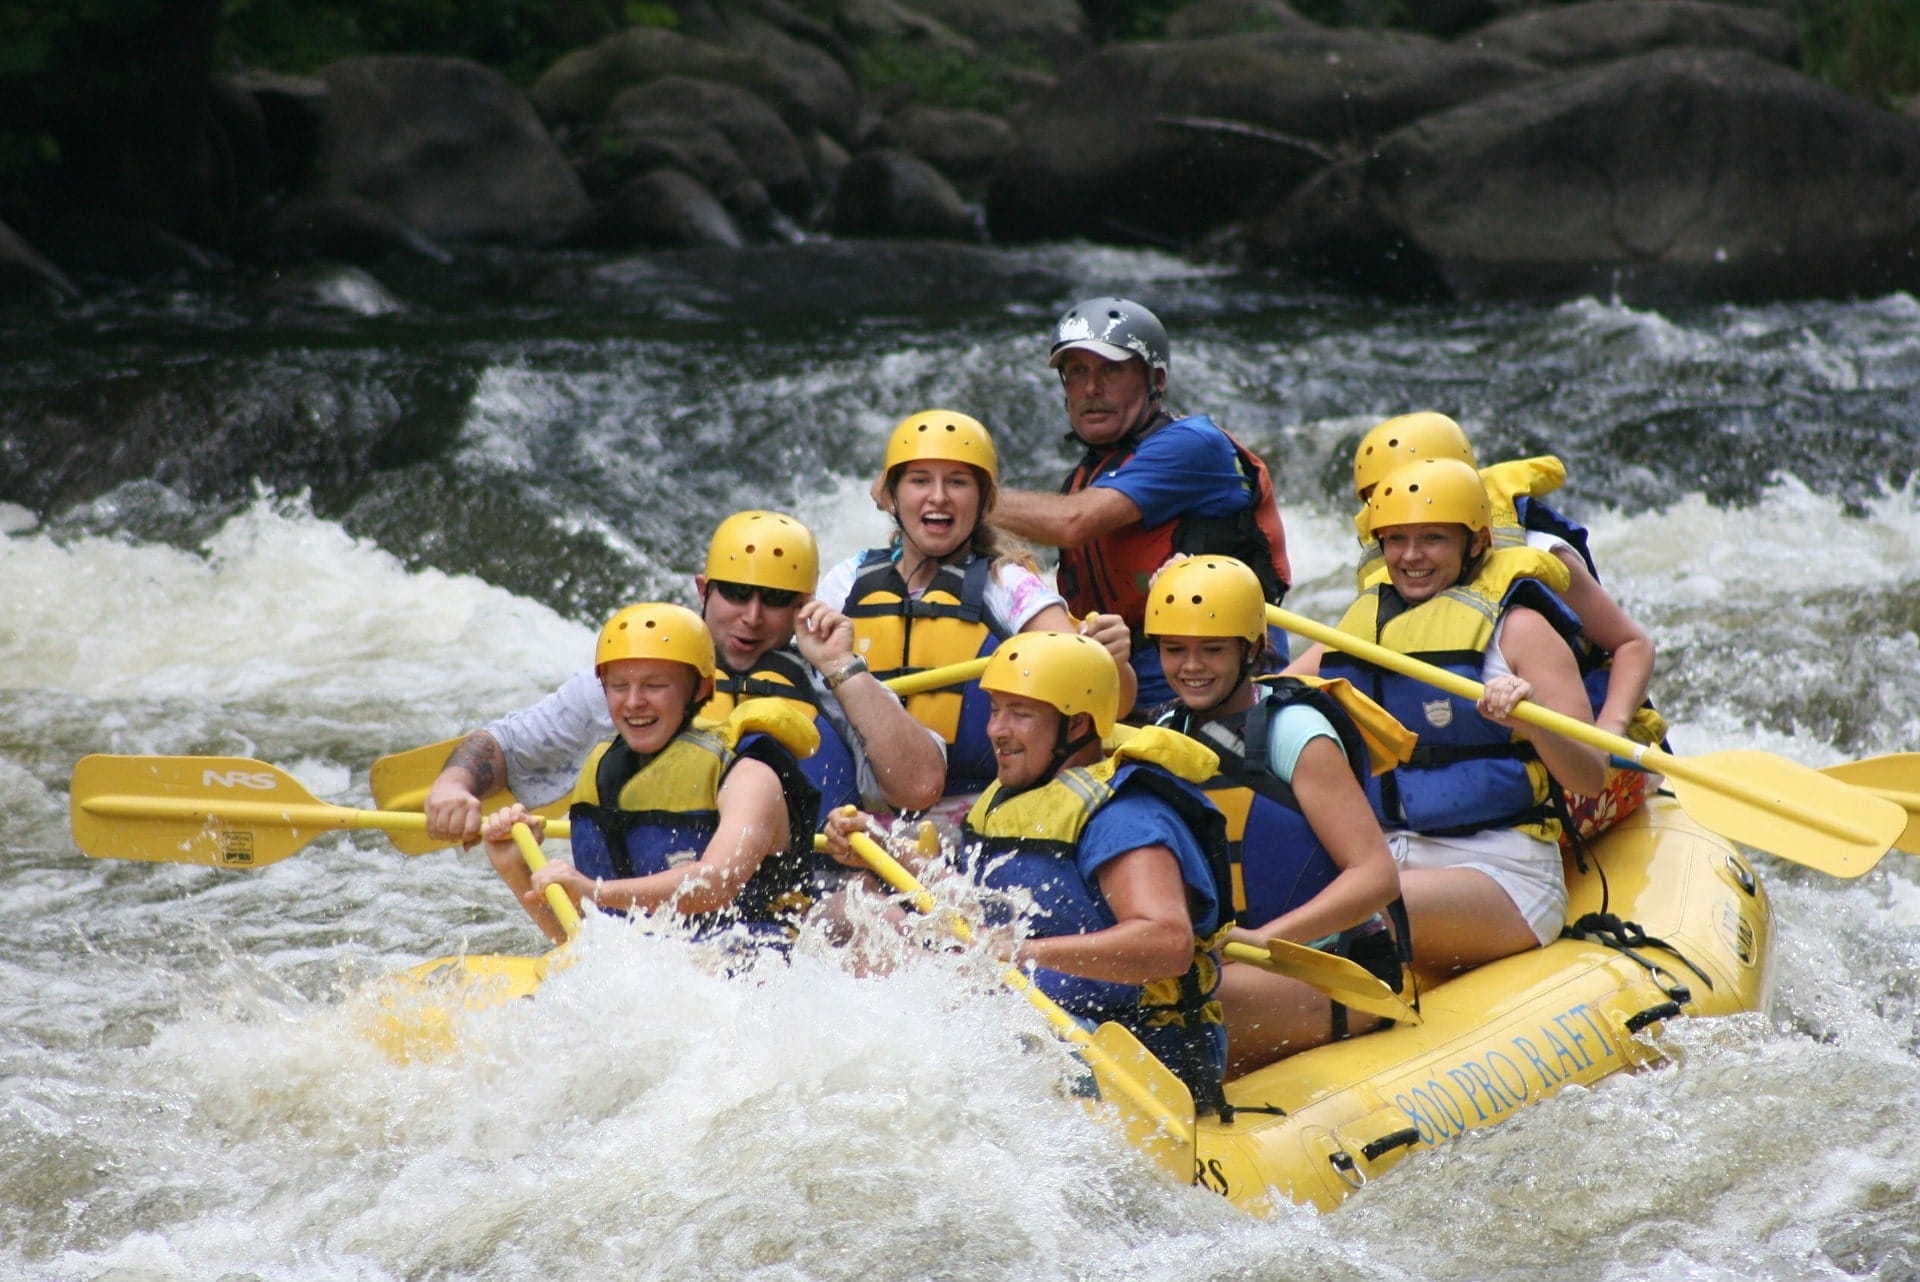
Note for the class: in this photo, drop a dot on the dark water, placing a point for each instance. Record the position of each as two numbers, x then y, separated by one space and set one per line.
315 521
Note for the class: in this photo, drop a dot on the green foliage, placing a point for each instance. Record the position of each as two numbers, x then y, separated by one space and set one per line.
1146 19
1867 47
43 70
640 13
941 77
520 38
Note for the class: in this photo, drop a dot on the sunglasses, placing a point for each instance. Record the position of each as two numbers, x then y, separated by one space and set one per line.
741 593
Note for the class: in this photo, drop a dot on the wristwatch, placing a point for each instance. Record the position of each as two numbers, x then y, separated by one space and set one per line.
846 672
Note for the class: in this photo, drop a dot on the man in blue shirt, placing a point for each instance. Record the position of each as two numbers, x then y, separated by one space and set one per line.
1149 487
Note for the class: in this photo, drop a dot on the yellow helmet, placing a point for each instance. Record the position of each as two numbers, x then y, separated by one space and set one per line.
1207 596
764 550
1407 439
1073 673
656 630
943 434
1432 491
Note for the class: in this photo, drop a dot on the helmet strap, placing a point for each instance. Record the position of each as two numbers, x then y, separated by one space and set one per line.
1063 747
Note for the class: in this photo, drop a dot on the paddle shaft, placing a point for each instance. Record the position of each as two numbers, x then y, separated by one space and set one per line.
896 875
557 900
313 815
1557 723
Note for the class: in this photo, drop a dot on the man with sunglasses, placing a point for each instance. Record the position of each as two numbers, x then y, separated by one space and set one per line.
771 640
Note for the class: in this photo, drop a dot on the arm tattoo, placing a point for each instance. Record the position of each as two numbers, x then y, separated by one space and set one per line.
480 757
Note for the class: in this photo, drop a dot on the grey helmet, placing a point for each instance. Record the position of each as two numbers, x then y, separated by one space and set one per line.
1114 328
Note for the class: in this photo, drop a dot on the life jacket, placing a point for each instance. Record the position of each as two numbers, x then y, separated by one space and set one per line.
782 674
1110 573
1028 840
633 817
1278 862
1467 773
899 634
1514 489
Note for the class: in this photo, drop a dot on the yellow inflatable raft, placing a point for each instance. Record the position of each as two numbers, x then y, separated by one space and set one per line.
1316 1127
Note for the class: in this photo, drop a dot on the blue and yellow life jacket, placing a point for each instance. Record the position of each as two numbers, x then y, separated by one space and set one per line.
1028 840
1467 773
1278 862
665 809
899 634
782 674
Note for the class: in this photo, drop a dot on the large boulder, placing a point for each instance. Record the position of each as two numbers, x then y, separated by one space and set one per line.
809 92
1056 30
1160 142
1582 34
1676 175
448 147
809 52
893 21
669 209
24 271
963 145
1206 18
886 193
677 111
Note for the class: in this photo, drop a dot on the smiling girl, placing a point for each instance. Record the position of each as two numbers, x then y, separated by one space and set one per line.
1472 818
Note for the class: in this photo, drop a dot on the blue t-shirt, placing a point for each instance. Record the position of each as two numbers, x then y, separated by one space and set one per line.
1187 468
1137 818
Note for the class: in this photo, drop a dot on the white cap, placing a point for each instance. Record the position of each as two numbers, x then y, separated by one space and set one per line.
1106 351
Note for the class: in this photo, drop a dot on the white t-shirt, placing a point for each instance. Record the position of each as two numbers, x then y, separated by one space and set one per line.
547 745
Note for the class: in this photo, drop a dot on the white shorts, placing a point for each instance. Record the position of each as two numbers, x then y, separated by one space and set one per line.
1526 868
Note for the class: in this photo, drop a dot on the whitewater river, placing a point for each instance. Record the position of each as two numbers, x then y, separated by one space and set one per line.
370 520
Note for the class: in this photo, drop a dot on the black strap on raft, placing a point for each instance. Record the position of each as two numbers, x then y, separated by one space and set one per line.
1628 938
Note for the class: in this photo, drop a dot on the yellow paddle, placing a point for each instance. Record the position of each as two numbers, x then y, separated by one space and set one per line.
1896 777
1345 981
1156 1109
400 780
226 812
1745 795
413 1019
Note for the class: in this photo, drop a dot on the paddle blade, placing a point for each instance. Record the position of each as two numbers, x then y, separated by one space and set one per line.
1155 1108
1894 778
1788 809
415 1015
400 781
226 812
1341 979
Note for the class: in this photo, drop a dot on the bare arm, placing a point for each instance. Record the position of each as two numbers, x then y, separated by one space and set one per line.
1064 520
1152 937
475 770
1541 659
908 763
507 860
1609 627
1338 812
753 824
1308 662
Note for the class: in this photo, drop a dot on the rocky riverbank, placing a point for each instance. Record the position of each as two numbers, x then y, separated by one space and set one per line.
1655 150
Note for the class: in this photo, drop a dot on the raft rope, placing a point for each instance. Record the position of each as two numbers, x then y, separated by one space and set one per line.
1627 938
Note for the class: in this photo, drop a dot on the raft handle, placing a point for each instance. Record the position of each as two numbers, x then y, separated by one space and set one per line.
1406 1137
1652 1015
